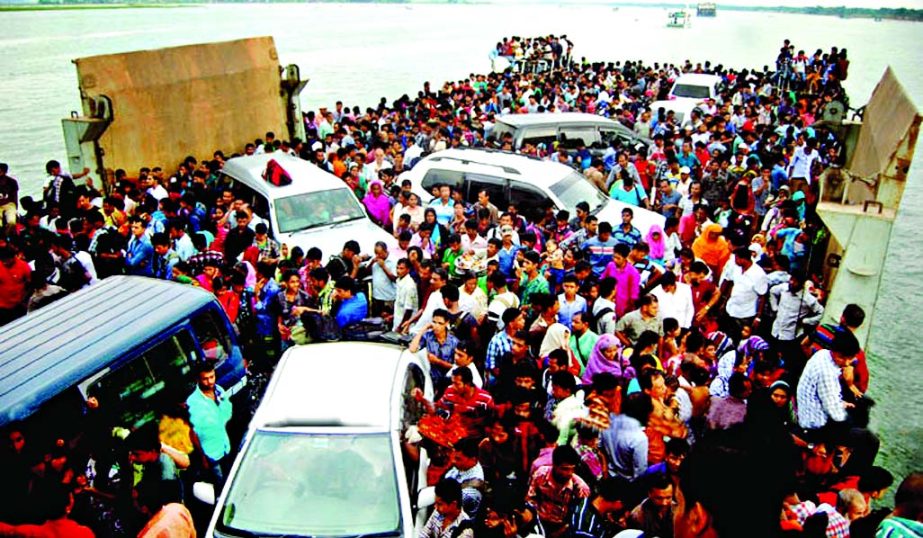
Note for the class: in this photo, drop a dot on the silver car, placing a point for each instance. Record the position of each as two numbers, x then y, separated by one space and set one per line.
323 455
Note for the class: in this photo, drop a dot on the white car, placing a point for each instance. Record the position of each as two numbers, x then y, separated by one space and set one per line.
525 181
317 209
323 455
696 87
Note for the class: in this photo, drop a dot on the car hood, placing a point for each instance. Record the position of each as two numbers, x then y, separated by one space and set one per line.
330 239
643 219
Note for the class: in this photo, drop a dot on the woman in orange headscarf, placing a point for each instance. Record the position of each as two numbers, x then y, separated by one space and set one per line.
712 248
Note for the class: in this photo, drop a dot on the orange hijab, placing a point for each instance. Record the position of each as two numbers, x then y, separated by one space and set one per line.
713 253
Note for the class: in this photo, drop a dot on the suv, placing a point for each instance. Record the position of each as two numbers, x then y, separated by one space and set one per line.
696 87
525 181
568 129
321 458
315 208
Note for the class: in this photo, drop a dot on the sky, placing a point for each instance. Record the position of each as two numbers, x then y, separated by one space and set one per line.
913 4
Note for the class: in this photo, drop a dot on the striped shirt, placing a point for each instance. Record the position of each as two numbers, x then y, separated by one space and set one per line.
585 522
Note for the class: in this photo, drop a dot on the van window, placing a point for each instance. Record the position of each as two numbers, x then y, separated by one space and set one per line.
212 335
614 135
495 136
540 135
436 176
692 91
572 137
527 196
495 187
159 376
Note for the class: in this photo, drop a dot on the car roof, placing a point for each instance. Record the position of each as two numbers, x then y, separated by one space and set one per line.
510 165
306 177
676 105
698 78
340 384
60 345
553 118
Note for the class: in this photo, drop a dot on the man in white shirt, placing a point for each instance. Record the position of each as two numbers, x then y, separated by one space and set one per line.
748 290
405 298
803 159
675 299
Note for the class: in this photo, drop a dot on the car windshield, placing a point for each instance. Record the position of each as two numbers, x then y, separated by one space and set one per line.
690 90
574 189
313 209
306 484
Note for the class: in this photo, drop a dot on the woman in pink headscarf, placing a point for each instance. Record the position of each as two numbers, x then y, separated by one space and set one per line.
658 243
607 357
378 204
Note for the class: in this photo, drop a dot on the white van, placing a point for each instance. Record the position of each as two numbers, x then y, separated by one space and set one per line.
697 87
317 209
527 182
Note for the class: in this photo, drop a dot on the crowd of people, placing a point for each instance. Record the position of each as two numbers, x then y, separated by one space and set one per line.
593 380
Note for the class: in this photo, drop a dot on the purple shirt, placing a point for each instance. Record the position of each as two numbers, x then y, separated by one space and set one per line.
627 288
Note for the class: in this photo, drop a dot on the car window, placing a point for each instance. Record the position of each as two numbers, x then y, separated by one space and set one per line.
212 335
571 138
495 187
574 188
527 196
315 209
690 90
135 391
540 135
347 480
439 176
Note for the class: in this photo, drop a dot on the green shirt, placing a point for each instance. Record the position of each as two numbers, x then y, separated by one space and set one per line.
527 287
583 348
449 257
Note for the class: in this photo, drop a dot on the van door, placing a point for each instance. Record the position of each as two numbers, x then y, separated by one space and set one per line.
411 412
159 377
258 203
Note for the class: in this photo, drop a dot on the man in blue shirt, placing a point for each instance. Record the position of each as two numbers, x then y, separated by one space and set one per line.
139 254
600 248
352 307
209 413
626 233
779 174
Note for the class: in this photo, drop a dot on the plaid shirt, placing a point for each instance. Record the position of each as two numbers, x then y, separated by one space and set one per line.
837 525
552 499
269 249
499 345
818 397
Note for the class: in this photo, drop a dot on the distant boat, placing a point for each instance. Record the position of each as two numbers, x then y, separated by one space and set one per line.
706 9
678 19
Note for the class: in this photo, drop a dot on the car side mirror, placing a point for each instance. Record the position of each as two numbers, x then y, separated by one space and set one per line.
426 497
205 492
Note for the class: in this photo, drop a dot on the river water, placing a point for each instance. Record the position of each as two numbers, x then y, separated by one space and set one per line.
361 52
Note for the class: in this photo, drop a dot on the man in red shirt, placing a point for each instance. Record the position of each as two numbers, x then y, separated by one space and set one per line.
14 282
471 404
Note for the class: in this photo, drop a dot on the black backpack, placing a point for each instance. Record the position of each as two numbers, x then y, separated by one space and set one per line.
595 318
